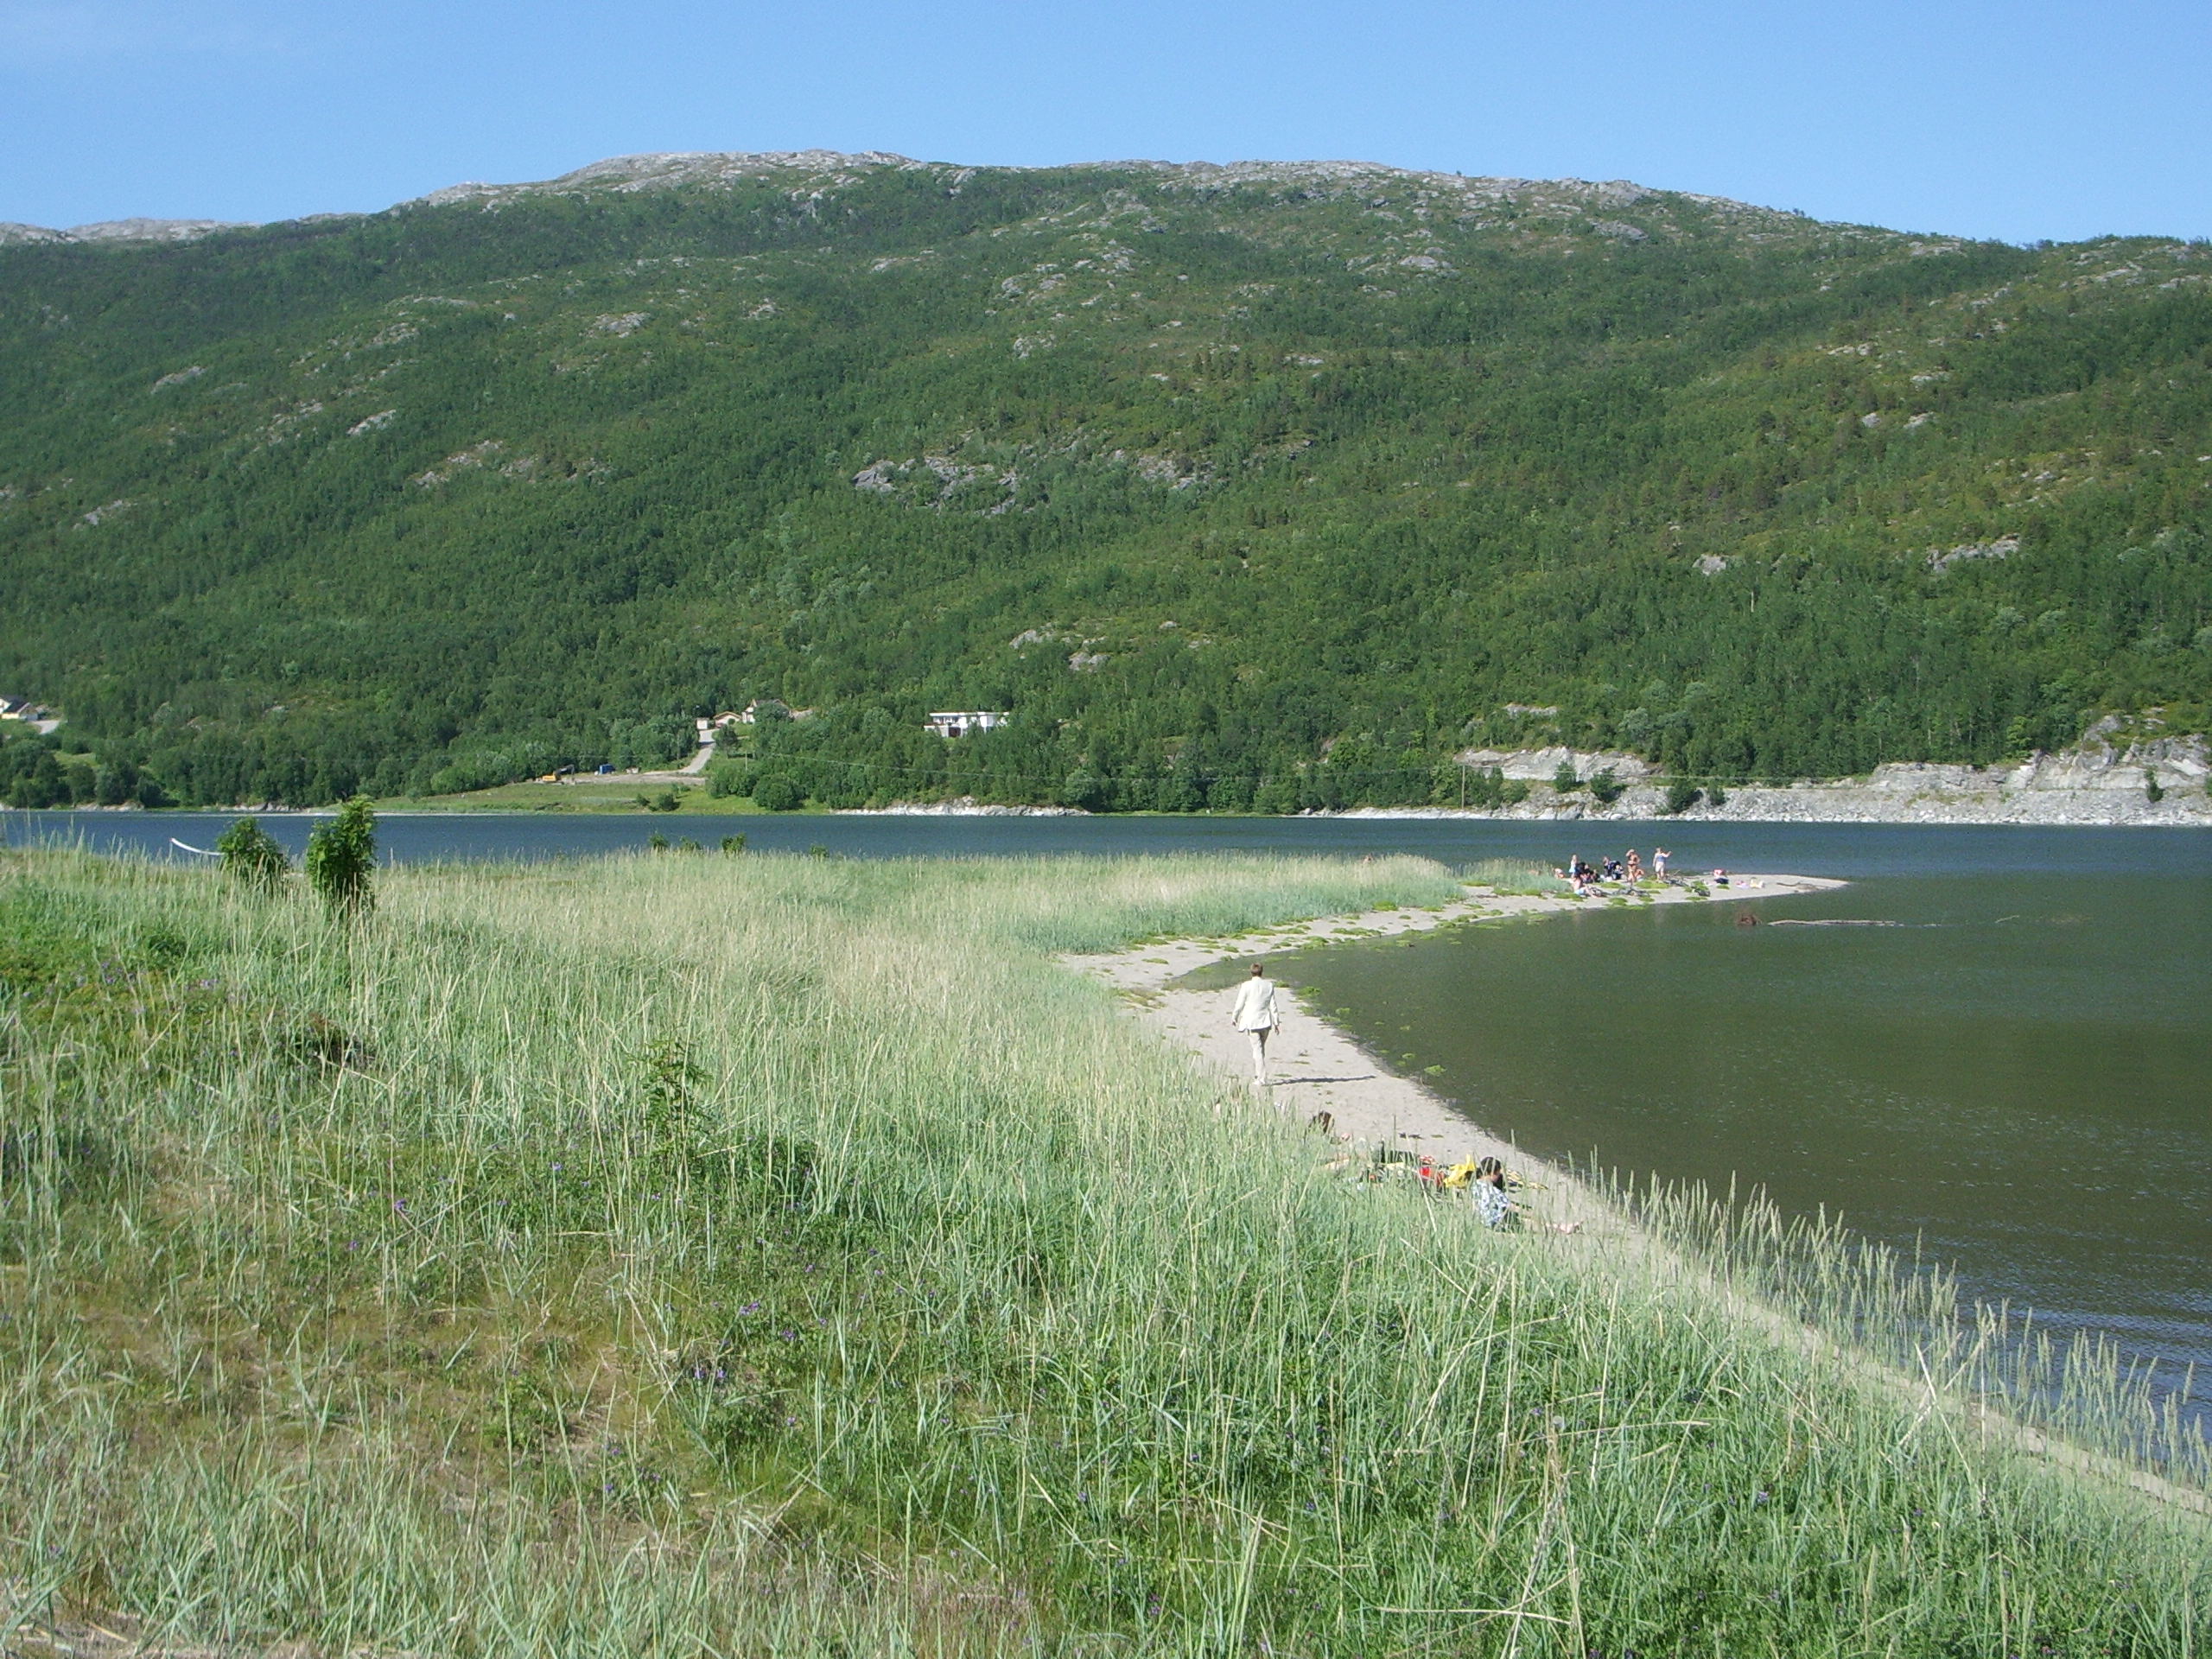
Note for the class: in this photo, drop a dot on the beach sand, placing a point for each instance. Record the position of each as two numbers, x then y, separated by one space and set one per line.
1315 1067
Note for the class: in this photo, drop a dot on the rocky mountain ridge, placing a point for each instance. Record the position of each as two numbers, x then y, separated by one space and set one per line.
818 173
123 230
824 170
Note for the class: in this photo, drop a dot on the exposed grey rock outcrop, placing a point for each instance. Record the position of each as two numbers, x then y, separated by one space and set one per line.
666 170
815 173
1541 766
1942 559
815 170
153 230
966 807
2104 781
123 230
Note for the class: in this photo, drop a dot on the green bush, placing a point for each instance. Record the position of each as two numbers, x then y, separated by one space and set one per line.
1488 789
1607 788
1564 779
251 854
778 792
1681 795
728 779
342 859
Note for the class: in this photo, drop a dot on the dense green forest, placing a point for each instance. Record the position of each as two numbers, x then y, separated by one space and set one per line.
1259 487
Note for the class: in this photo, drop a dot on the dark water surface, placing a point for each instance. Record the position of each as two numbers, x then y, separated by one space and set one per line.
2019 1072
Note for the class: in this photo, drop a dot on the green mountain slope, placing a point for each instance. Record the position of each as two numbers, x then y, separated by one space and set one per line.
1206 473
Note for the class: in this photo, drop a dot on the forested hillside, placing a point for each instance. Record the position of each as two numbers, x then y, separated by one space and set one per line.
1268 486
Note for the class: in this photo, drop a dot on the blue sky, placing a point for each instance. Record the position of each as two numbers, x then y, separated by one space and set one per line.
2022 121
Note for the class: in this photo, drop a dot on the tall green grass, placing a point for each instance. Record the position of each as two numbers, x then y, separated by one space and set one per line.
1902 1312
684 1254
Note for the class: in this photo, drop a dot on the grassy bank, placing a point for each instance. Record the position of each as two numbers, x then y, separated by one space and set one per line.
674 1254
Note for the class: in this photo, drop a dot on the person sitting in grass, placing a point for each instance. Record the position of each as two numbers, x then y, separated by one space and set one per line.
1494 1207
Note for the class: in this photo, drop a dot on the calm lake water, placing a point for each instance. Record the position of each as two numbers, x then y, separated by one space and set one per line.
2016 1070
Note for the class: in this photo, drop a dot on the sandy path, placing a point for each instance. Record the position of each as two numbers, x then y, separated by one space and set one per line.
1315 1067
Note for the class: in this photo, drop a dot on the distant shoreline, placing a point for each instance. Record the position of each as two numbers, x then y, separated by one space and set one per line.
1844 804
1811 804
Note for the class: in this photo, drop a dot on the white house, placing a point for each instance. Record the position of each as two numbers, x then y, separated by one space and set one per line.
958 723
750 714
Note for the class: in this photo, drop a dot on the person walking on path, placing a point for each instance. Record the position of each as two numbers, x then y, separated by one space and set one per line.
1254 1015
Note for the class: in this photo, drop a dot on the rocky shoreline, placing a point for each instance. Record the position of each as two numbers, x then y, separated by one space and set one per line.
2158 782
1880 800
966 807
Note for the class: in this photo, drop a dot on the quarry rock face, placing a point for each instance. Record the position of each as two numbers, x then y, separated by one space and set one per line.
2106 779
1541 766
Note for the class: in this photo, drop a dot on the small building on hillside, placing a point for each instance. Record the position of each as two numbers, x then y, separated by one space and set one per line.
958 723
750 713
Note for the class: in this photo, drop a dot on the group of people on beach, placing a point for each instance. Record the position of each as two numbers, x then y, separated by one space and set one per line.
1254 1013
1587 881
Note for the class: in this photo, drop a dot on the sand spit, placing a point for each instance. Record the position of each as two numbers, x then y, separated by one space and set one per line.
1318 1067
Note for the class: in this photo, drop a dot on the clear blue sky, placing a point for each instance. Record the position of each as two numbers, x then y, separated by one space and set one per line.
2034 118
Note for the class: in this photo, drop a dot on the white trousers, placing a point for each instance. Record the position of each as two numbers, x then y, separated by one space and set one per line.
1259 1053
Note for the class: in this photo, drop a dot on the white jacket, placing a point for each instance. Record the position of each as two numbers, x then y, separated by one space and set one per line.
1256 1005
